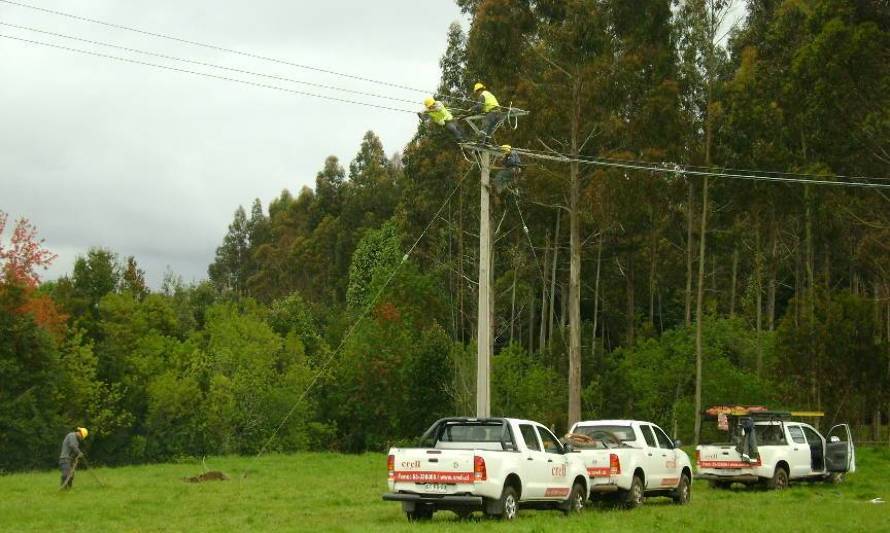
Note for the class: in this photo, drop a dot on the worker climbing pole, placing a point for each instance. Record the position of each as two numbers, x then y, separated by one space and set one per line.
489 116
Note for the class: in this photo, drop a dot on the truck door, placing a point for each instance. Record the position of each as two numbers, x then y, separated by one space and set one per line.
557 484
799 459
839 453
653 466
669 469
535 464
817 449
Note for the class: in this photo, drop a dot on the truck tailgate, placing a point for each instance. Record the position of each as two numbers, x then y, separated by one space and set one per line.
722 457
432 470
599 464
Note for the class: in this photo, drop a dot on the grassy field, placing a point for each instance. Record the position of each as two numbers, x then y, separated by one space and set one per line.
343 493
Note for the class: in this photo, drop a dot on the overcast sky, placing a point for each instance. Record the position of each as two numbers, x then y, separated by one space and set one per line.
153 163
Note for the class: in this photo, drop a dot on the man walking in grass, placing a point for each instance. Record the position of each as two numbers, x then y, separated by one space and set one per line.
70 454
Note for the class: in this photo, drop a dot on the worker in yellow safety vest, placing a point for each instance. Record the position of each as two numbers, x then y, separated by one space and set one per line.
488 106
438 114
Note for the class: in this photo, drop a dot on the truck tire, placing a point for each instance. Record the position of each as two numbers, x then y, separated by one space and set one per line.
683 493
419 514
576 501
509 504
633 497
779 481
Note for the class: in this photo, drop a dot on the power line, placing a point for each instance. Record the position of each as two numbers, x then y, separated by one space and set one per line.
204 74
215 47
204 64
683 170
725 169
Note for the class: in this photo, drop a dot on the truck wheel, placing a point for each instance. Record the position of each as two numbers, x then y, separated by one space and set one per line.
683 492
509 504
420 513
633 497
576 501
779 481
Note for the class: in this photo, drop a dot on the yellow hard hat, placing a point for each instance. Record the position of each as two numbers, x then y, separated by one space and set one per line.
429 101
478 86
506 148
83 432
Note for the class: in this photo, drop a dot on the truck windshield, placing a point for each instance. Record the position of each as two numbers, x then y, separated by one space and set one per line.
465 432
607 436
770 435
490 434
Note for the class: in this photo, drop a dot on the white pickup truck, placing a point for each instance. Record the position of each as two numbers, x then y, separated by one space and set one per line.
494 465
785 450
630 459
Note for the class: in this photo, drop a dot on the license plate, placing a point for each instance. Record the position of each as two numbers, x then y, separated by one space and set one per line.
435 487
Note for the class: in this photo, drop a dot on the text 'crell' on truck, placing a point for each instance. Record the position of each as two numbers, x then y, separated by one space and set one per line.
771 449
493 465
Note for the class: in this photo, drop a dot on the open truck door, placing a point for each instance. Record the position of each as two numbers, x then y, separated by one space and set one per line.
839 453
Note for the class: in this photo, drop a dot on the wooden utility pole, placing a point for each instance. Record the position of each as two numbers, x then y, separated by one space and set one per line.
483 338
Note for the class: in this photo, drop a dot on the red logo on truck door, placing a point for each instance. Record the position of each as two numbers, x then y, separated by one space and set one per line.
556 492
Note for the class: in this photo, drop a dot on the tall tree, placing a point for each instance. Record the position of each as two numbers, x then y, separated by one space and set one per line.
228 270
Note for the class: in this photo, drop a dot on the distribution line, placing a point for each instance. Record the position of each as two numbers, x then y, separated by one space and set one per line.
220 48
204 74
723 169
716 171
685 171
360 318
203 64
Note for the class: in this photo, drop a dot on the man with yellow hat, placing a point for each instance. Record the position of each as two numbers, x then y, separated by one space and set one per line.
487 106
441 116
70 454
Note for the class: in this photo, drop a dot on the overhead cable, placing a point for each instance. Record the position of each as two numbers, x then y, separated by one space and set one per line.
204 74
722 169
683 170
204 64
213 47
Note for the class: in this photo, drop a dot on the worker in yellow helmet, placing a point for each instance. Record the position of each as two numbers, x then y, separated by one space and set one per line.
488 106
510 168
70 454
438 114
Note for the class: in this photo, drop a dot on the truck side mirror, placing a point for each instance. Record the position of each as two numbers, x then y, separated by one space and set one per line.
834 438
677 443
568 448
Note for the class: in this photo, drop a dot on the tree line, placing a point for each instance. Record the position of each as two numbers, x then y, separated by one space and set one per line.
633 294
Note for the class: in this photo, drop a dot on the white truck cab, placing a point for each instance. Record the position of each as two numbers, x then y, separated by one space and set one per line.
494 465
631 459
784 450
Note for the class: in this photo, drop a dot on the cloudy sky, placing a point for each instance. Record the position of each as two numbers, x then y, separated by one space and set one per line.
153 163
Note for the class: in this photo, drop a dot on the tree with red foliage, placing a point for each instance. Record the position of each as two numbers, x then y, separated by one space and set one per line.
25 253
19 263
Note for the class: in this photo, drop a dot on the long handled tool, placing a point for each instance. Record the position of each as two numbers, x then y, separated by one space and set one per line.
70 474
90 470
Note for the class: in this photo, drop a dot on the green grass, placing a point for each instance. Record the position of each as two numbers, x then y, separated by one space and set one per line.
343 493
